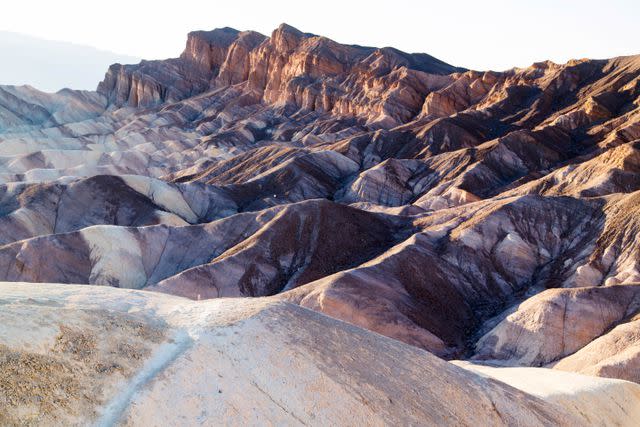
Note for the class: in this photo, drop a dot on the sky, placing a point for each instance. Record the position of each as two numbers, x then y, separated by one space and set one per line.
487 34
50 65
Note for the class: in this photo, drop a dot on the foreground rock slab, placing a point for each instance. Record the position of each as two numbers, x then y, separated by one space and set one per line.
597 402
76 355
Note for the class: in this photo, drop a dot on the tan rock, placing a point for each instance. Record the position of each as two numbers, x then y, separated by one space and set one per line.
557 323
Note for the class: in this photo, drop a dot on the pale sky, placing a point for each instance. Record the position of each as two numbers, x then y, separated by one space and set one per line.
480 34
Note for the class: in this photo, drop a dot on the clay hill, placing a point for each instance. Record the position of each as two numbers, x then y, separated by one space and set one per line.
435 212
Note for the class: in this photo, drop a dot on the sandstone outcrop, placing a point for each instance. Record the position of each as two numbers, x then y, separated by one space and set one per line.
557 323
615 354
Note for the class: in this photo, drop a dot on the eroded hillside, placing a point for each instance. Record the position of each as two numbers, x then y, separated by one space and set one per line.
484 215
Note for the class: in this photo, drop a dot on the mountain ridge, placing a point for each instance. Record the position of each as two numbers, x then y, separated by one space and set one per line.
491 216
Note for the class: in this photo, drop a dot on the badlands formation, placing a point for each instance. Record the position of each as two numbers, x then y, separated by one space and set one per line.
429 245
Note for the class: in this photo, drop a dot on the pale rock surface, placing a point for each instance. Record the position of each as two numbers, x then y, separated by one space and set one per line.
557 323
594 401
250 362
615 354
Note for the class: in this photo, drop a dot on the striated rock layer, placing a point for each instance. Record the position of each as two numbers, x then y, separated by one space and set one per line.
491 216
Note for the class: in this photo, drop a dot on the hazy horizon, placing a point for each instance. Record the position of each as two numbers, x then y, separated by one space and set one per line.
51 65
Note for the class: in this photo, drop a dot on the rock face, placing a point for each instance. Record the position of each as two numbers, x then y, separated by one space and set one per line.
615 354
557 323
568 390
171 360
329 237
477 215
291 67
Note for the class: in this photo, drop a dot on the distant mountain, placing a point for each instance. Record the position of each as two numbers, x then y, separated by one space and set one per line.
67 65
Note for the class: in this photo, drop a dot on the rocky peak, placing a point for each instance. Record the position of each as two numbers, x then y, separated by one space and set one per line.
207 50
237 63
286 38
292 68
